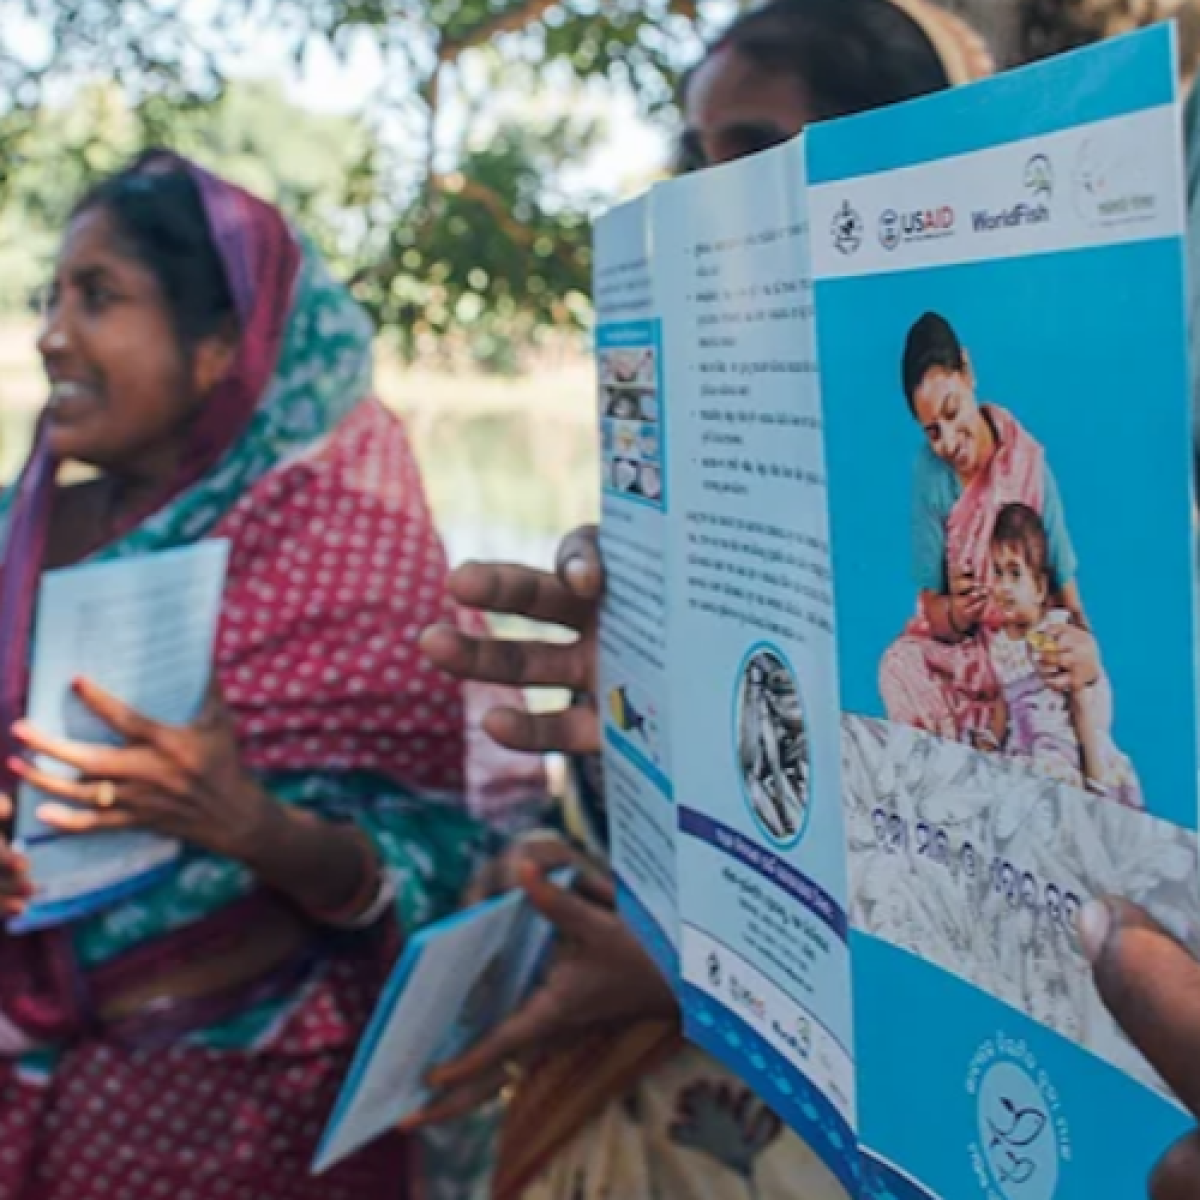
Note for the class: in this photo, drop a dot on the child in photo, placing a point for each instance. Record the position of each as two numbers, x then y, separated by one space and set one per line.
1057 731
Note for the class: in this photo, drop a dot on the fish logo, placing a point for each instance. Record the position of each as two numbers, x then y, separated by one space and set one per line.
1017 1126
1018 1137
1039 178
1014 1129
625 716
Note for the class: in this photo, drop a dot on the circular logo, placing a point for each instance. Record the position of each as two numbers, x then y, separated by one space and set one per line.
1092 181
773 745
1017 1134
889 229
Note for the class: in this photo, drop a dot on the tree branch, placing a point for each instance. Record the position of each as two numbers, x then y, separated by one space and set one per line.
479 193
520 16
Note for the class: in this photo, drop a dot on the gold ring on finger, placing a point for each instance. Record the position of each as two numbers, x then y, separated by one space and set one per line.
515 1074
106 794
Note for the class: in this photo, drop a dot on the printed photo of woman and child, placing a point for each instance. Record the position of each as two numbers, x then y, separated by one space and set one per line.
999 654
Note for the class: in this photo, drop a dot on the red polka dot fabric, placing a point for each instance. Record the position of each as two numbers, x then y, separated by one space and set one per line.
189 1123
336 569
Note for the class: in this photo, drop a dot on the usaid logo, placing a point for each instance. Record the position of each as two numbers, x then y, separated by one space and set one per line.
889 229
918 225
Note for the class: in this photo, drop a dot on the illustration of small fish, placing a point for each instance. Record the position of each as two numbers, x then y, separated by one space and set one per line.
1019 1170
1025 1125
625 716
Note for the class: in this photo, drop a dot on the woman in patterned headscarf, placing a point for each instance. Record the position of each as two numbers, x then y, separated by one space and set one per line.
189 1039
606 1100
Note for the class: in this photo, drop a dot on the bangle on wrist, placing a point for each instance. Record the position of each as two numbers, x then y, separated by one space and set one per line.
385 893
371 900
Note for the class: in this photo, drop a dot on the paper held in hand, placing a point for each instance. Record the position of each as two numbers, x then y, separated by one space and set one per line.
455 982
145 630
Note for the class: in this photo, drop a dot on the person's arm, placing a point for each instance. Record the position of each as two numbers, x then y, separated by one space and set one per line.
940 617
190 783
954 616
992 738
1090 753
329 869
1069 598
599 977
1064 564
952 603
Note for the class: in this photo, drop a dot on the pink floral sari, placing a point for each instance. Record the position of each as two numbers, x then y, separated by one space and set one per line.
948 688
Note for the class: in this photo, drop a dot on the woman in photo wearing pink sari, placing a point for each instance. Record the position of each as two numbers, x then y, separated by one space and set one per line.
189 1041
977 459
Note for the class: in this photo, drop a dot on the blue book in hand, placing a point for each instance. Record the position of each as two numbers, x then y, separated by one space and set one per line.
454 982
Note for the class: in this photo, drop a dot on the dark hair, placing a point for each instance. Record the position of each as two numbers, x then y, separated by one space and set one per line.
850 55
157 208
1020 528
1049 27
931 345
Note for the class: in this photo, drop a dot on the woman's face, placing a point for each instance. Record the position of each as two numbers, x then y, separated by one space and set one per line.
734 108
122 390
948 412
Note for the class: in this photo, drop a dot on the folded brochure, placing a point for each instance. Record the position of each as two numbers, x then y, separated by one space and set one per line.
940 348
455 981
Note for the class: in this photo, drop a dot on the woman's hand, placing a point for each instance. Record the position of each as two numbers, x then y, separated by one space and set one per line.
186 783
543 848
599 976
15 886
1074 665
967 602
569 598
1151 984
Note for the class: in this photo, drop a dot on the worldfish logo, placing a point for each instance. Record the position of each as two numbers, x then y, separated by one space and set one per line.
918 225
1039 177
1016 217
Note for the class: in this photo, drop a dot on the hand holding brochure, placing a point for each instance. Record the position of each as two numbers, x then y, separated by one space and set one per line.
898 653
143 629
455 981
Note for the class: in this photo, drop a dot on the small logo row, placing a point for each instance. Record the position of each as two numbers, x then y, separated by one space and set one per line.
1105 189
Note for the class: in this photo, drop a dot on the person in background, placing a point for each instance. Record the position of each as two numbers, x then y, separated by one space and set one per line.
190 1039
786 64
602 980
604 1098
1048 27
